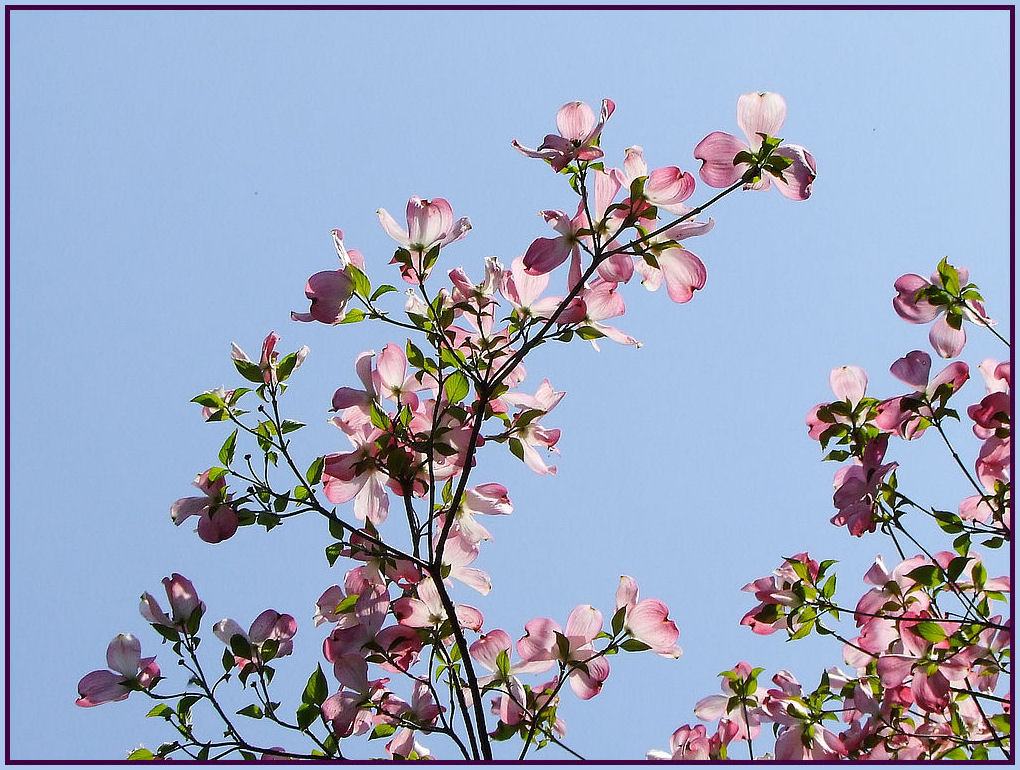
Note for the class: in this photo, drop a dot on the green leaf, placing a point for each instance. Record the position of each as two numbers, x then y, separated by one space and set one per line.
353 316
333 552
249 370
456 387
306 714
314 473
252 711
926 575
384 289
382 731
379 418
240 646
362 285
618 620
316 690
933 632
227 450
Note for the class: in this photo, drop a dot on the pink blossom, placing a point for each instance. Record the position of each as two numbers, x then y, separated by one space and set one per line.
427 611
330 290
183 603
725 159
647 620
217 519
947 340
578 135
541 644
430 224
907 416
124 656
665 188
269 625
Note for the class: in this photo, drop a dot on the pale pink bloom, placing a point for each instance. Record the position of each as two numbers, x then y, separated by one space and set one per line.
546 254
913 369
665 188
427 611
540 645
330 290
799 738
270 624
430 224
601 301
486 500
947 341
458 553
757 113
353 404
647 620
857 486
848 383
183 602
720 706
523 290
217 519
124 656
327 606
578 135
357 476
776 591
993 462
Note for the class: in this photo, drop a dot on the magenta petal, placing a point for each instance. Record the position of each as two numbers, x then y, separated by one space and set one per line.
100 687
913 369
947 341
905 304
545 255
716 153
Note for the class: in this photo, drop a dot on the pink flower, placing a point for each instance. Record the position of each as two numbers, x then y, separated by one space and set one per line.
430 225
427 611
958 302
545 642
740 703
130 669
330 290
725 159
665 188
647 620
857 488
908 416
578 137
184 602
217 520
269 625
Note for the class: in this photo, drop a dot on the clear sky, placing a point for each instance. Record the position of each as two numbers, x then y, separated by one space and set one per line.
175 177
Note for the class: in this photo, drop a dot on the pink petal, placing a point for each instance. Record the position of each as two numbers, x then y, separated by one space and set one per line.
947 341
124 654
716 153
913 369
684 273
848 382
760 113
575 120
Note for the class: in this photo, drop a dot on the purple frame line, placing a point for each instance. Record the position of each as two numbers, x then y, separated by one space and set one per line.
854 7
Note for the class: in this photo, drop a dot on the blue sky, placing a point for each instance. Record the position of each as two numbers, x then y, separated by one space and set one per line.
174 180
